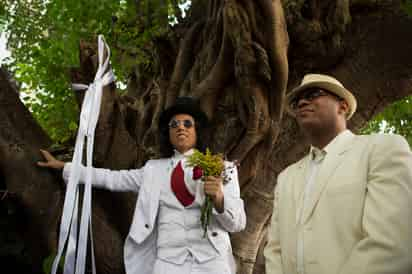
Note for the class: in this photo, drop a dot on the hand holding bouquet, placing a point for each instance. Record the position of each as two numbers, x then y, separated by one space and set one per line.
205 165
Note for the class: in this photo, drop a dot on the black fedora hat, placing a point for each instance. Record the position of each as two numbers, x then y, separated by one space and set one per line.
184 105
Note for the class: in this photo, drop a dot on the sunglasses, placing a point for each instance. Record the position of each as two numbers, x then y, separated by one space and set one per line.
176 123
310 95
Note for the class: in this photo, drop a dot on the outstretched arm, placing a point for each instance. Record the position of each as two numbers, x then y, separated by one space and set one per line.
121 180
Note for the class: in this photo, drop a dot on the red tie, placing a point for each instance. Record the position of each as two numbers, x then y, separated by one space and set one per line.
179 187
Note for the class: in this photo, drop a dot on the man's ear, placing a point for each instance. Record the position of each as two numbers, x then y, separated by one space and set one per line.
344 108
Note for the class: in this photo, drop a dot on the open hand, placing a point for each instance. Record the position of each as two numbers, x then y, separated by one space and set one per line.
51 162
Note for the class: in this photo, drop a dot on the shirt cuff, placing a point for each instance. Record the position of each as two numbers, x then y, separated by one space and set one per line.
227 214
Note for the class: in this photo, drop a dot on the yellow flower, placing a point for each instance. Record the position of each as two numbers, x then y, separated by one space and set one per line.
211 165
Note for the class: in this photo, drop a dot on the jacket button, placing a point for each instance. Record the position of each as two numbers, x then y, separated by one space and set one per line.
214 234
146 226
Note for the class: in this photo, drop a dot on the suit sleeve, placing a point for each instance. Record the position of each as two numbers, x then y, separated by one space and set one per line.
387 243
121 180
233 217
272 251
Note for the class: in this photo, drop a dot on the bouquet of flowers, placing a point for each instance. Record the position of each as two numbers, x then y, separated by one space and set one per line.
204 165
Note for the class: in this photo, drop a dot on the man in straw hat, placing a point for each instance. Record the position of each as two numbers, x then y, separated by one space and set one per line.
166 236
346 207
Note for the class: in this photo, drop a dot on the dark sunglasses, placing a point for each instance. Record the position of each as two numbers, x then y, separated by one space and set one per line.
310 95
176 123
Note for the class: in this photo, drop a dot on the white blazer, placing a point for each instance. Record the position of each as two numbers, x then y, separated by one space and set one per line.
359 215
140 245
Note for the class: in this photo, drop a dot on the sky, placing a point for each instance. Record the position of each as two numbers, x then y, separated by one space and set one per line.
3 51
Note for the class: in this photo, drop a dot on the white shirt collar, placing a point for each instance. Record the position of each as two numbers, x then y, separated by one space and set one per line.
341 137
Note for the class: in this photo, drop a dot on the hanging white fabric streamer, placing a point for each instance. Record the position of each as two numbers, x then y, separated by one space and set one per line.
74 263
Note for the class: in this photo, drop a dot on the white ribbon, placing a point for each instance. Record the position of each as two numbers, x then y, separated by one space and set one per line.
77 240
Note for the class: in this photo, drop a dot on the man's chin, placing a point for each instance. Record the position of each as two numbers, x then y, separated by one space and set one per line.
182 147
306 123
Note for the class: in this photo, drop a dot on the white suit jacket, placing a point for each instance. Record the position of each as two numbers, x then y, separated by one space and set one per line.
359 216
140 245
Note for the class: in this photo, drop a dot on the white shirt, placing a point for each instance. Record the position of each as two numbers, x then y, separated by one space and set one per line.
179 229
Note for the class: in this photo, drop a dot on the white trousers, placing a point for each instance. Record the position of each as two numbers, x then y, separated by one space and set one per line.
218 265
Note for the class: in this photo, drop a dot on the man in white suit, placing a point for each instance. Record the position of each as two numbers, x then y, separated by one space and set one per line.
166 236
346 207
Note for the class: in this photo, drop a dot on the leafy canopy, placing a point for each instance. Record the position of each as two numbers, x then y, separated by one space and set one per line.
44 35
396 118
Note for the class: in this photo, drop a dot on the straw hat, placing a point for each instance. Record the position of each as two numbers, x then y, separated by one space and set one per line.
327 83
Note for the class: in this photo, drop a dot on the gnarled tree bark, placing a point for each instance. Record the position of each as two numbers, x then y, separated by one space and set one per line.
234 56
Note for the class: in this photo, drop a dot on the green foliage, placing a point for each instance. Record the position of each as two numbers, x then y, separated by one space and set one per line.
48 263
211 164
396 118
407 6
43 37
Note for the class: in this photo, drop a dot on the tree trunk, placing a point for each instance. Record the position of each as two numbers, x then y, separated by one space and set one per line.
234 56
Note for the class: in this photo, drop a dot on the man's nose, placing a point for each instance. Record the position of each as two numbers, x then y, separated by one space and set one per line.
180 125
302 102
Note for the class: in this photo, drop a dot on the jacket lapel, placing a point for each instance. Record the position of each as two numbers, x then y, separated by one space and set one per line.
333 159
298 184
160 174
